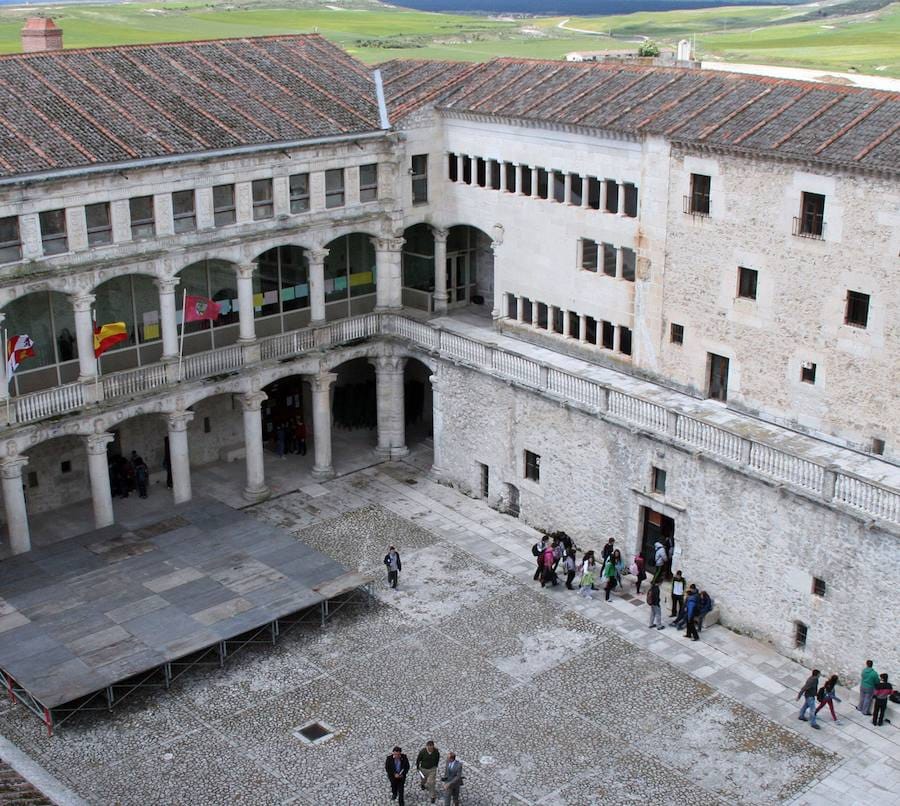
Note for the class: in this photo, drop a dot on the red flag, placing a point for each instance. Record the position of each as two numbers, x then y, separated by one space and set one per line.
198 308
18 348
107 336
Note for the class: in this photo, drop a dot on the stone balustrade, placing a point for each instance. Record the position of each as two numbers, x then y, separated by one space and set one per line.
858 495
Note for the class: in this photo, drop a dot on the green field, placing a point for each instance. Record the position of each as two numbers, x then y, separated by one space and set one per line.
868 42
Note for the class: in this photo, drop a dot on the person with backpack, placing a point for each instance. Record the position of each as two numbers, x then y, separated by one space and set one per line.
653 597
609 575
394 567
637 570
588 575
828 696
883 690
681 620
659 561
570 565
537 551
867 682
548 567
706 606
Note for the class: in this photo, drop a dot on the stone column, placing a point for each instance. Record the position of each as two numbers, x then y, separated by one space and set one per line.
603 193
390 408
98 470
567 193
617 341
84 336
168 320
246 320
620 189
179 456
460 164
534 183
620 262
585 191
567 324
317 285
489 173
551 318
388 273
520 173
251 403
582 328
321 406
437 425
520 309
14 503
440 295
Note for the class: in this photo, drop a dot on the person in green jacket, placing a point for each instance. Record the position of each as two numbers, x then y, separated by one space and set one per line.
427 765
609 574
868 680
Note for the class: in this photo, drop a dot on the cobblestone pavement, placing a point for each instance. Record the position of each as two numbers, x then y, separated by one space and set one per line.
548 698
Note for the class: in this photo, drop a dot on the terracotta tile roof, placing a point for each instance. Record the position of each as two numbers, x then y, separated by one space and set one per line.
74 108
795 119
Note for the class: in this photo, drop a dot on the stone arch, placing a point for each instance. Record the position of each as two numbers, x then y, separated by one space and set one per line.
215 279
281 288
470 266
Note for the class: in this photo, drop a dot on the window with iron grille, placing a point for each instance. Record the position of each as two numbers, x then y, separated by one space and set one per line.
334 188
532 466
801 631
857 313
676 334
819 586
184 212
263 202
299 192
143 223
698 201
368 182
812 215
54 238
10 240
99 226
223 205
419 177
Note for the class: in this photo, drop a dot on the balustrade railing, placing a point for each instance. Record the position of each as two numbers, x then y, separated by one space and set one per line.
850 490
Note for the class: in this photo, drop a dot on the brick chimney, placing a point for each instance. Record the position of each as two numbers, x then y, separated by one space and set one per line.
40 34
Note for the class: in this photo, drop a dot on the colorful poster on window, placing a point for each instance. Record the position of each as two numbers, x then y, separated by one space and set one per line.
340 283
257 300
287 294
270 298
363 278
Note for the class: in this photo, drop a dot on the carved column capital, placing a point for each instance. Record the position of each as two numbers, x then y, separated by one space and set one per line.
440 234
318 255
389 244
245 271
322 381
11 466
252 401
178 420
82 302
166 285
96 443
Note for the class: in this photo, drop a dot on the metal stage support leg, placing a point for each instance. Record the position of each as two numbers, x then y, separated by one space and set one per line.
167 674
9 687
48 721
109 698
322 607
273 627
223 651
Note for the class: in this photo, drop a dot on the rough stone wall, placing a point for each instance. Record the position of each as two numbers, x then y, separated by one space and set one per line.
798 315
753 546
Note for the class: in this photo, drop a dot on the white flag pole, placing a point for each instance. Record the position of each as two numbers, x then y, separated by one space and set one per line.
181 341
6 376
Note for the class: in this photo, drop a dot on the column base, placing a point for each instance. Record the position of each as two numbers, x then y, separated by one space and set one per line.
254 496
389 454
323 473
317 322
436 474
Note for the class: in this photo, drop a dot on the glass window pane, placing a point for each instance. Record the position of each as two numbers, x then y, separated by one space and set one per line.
99 228
294 279
223 205
334 187
299 189
368 182
265 284
223 289
195 282
183 210
336 270
262 199
362 265
53 232
146 303
10 244
113 303
30 316
141 209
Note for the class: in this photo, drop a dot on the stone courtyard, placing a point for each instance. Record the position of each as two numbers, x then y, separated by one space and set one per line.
546 697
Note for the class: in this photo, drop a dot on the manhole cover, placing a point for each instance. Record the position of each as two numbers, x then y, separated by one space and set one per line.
314 732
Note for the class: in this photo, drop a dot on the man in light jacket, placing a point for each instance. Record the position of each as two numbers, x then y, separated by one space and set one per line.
452 780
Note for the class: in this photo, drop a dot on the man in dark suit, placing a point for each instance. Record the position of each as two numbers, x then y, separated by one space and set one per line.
452 780
397 766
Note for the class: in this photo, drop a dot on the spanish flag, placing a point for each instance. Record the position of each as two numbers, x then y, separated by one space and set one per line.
107 336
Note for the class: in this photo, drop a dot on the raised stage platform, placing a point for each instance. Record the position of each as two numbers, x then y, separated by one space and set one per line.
86 621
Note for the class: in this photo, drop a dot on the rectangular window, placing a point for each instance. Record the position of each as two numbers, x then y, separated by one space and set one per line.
542 315
532 466
800 633
510 169
559 186
53 232
485 475
543 184
878 446
298 187
575 184
66 466
263 203
184 213
512 307
629 264
818 586
608 335
558 317
526 310
857 313
698 201
593 193
334 188
10 240
368 182
659 480
142 217
631 200
452 167
625 340
609 260
812 216
480 172
99 225
526 180
590 330
676 334
419 178
590 254
747 280
612 196
223 205
467 170
574 325
717 382
495 174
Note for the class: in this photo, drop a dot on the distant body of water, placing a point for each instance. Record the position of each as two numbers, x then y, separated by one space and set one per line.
580 8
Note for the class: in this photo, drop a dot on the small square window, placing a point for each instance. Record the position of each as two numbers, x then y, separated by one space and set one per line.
299 190
808 372
659 480
207 425
334 188
676 334
800 633
368 182
818 586
747 280
65 467
857 313
877 446
32 479
532 466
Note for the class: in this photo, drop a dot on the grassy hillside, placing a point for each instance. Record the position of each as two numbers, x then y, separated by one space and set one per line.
824 36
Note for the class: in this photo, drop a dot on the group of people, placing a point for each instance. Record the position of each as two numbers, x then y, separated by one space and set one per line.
290 437
874 692
128 475
397 767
